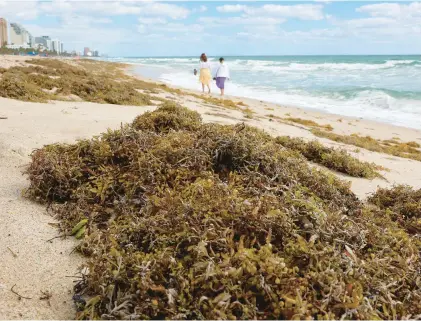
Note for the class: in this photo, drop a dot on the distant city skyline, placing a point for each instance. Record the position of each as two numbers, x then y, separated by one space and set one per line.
14 36
188 28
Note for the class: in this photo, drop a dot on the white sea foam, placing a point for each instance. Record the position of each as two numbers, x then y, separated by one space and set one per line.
277 66
372 104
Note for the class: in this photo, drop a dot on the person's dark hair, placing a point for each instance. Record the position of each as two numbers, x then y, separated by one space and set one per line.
221 59
203 57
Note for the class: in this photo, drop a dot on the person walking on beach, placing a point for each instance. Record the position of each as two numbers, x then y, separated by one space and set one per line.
222 74
205 72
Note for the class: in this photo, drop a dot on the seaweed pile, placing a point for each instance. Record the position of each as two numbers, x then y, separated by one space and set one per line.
393 147
403 204
50 79
184 220
309 123
336 159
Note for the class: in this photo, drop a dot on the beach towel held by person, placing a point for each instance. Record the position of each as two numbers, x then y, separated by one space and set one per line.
205 72
222 74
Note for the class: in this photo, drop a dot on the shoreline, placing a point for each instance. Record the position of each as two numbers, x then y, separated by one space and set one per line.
376 89
135 70
310 113
30 125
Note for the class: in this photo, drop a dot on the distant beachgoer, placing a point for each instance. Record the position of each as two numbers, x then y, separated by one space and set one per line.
195 71
205 72
222 74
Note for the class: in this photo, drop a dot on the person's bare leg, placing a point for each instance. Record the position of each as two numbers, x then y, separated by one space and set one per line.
222 91
209 89
203 88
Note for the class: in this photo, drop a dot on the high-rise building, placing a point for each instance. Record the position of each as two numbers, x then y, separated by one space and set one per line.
56 45
61 48
4 39
48 42
41 41
19 36
86 51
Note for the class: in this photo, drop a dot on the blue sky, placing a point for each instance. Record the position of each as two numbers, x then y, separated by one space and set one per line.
184 28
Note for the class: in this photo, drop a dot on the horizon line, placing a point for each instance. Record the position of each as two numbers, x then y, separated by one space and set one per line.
274 55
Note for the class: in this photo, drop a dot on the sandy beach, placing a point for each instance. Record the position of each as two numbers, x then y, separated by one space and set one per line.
31 265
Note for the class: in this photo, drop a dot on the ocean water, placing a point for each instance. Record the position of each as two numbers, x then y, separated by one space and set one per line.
381 88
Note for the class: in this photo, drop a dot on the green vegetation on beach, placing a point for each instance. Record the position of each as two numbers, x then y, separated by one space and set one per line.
403 204
184 220
392 147
50 79
332 158
309 123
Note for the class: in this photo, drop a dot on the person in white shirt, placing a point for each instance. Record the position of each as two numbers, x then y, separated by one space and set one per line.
205 72
222 74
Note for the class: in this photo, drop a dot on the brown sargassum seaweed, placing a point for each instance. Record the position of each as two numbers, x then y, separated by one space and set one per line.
203 221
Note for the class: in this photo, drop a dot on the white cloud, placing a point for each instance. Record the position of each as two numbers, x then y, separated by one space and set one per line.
297 36
180 28
157 28
202 8
387 20
77 21
395 10
316 34
232 8
243 34
77 36
164 10
101 20
16 10
152 21
263 30
238 21
299 11
368 23
142 29
31 9
90 7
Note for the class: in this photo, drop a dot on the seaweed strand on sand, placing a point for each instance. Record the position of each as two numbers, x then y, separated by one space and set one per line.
184 220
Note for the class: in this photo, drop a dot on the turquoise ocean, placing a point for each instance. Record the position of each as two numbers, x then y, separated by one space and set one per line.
381 88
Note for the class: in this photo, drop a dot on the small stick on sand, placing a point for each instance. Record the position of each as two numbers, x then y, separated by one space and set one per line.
46 295
3 117
20 296
13 253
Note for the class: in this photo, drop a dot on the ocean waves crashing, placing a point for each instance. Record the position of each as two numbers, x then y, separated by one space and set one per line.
382 88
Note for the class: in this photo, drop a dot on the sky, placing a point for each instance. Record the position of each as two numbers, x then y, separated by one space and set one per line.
188 28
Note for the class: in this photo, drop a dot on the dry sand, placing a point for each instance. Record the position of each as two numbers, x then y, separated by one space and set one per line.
7 61
40 265
35 265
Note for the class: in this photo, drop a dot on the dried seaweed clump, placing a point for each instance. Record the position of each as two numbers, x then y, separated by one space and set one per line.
170 116
405 150
309 123
403 204
219 222
332 158
51 79
14 86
